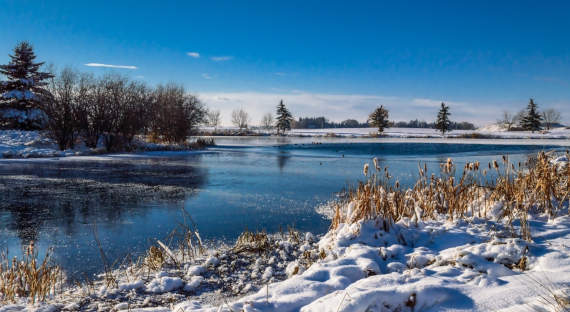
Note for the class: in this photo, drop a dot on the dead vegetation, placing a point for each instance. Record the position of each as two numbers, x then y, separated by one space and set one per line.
29 277
540 185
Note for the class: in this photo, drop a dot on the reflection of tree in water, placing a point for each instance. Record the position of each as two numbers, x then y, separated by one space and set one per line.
64 194
282 159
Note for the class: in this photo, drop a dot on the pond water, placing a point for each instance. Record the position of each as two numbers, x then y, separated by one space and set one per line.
129 201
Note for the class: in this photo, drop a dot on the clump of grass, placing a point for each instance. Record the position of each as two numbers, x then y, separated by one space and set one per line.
542 186
252 242
154 258
28 278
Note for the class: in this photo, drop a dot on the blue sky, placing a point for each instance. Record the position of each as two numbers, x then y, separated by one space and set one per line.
335 58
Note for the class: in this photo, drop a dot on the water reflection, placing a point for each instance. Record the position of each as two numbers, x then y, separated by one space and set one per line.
67 194
282 159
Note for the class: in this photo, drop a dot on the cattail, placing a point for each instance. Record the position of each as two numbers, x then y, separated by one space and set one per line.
365 171
376 164
495 164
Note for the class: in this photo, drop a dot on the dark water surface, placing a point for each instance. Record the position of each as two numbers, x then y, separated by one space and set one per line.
132 200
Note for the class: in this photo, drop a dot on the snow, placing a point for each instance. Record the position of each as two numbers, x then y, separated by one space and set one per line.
25 144
162 284
491 131
438 266
36 144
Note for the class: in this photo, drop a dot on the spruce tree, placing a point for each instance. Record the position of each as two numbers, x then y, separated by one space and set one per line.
22 94
284 118
531 119
443 123
379 118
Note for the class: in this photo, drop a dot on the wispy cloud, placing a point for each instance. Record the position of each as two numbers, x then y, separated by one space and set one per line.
280 74
111 66
193 54
221 58
207 76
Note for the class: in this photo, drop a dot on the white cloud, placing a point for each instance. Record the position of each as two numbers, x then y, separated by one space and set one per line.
221 58
338 107
193 54
207 76
111 66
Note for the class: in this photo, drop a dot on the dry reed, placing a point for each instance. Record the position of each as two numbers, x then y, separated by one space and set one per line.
28 278
542 186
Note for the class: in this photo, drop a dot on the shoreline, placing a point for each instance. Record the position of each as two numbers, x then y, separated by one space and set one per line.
380 259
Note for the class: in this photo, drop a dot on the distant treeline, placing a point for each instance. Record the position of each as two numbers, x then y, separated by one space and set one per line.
322 122
464 125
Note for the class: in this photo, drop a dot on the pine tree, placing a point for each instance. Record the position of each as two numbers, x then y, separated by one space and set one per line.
443 123
284 118
379 118
531 119
21 95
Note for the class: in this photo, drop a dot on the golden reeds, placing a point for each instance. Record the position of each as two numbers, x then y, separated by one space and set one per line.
28 277
543 187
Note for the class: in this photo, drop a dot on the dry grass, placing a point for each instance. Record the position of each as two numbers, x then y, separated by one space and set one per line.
252 242
542 186
29 277
189 247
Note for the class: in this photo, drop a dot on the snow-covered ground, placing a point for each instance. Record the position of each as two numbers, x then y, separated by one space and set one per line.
35 144
24 144
489 131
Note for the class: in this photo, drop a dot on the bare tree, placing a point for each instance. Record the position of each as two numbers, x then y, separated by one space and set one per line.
267 121
213 119
60 107
176 114
508 120
240 118
551 117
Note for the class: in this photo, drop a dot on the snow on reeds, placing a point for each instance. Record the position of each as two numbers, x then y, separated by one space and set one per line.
540 185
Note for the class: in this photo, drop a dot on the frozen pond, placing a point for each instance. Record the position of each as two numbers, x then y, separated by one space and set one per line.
132 200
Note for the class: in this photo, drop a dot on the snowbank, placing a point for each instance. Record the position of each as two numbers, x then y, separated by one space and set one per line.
485 132
434 266
35 144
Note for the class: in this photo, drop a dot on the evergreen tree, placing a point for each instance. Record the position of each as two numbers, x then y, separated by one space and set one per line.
443 123
284 118
379 118
21 95
531 119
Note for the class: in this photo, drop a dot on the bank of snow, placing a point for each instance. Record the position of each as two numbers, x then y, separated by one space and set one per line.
484 132
432 266
35 144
